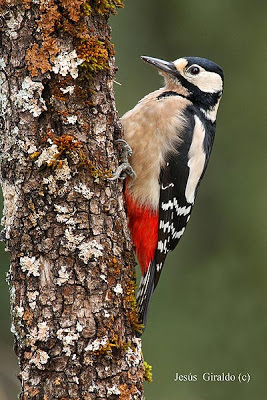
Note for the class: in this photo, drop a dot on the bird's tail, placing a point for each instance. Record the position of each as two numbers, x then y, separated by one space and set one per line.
145 291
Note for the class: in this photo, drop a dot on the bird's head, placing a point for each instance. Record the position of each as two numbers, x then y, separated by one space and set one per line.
197 78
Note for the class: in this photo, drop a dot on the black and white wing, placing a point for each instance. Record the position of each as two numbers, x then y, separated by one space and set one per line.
179 181
174 209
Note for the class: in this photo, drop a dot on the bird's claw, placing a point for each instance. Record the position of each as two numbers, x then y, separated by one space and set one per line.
122 171
126 149
125 168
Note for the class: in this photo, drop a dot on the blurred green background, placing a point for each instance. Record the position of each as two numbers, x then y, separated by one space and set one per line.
208 313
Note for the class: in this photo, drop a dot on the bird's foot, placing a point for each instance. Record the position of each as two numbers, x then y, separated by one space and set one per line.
124 168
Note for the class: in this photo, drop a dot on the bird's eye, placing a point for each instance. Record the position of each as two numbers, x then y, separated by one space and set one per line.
194 70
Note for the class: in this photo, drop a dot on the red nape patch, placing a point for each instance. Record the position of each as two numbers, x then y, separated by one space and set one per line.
143 224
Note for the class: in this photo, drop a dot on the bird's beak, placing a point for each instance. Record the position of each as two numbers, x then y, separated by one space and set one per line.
161 65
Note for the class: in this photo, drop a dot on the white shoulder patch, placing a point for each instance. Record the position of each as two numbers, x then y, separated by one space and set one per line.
196 162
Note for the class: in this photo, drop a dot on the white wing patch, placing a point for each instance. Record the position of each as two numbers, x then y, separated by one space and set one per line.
196 161
166 206
162 246
181 210
166 187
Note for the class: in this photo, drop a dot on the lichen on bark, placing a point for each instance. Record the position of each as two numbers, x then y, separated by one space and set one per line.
72 267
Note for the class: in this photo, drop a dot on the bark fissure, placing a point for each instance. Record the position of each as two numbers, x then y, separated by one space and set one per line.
72 272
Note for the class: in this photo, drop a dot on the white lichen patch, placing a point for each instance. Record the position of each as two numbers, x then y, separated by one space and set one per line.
90 249
29 98
48 155
76 380
118 289
39 359
64 215
63 275
67 63
32 296
133 355
60 209
72 240
15 132
2 64
43 331
30 265
11 203
102 276
79 327
101 127
64 172
3 96
68 337
3 103
113 390
95 345
25 144
51 184
93 388
25 373
72 119
106 314
13 24
32 336
31 147
84 191
67 89
19 311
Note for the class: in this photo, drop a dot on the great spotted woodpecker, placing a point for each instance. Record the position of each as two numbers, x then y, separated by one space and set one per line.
171 133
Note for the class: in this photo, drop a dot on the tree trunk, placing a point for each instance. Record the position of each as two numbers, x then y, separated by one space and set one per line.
72 272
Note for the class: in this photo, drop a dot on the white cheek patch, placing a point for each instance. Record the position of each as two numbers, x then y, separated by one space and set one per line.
206 81
196 161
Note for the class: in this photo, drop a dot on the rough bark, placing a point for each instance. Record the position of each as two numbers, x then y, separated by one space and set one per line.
72 266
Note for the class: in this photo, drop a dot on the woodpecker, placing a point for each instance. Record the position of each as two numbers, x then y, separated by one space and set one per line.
170 133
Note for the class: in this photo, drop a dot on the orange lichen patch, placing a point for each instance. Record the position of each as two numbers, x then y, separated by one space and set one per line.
28 317
37 58
41 57
77 31
114 266
66 143
57 381
130 305
4 4
27 4
113 344
95 54
106 7
50 45
35 155
49 17
127 392
73 7
68 146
